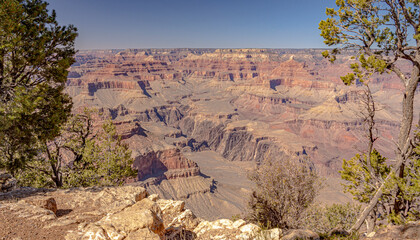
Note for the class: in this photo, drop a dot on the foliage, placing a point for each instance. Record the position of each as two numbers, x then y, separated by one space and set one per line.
363 177
352 236
235 217
106 161
81 157
380 34
284 190
360 180
323 219
409 187
362 183
35 53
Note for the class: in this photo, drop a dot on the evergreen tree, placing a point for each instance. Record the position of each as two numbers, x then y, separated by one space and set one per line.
35 53
380 33
81 157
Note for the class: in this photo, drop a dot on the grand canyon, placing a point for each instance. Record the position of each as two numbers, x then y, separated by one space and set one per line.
198 120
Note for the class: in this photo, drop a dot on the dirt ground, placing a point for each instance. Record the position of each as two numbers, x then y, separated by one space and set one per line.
13 227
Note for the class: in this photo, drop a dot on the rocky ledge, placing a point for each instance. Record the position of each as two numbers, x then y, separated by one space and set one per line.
129 212
112 213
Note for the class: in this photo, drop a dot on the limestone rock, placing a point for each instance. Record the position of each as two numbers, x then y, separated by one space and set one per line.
95 233
272 234
30 212
143 233
226 229
143 214
148 218
140 219
154 197
170 209
105 199
186 219
46 203
250 228
239 223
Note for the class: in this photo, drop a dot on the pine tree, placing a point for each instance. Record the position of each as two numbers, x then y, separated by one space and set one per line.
35 53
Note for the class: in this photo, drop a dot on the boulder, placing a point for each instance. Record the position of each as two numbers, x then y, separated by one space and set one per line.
30 212
141 220
239 223
106 199
144 234
250 228
272 234
186 220
95 233
154 197
143 214
170 209
226 229
171 206
46 203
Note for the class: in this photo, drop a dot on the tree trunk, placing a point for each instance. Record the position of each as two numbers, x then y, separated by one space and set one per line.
403 143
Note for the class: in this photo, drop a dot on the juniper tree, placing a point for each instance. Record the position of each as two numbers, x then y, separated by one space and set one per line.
82 156
382 33
35 53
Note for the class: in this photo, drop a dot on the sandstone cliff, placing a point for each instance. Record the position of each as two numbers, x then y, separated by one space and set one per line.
181 109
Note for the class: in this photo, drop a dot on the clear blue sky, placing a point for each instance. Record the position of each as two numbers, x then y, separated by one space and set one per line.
105 24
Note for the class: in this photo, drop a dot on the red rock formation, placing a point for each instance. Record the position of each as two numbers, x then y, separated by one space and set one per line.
292 73
144 70
303 83
228 65
170 163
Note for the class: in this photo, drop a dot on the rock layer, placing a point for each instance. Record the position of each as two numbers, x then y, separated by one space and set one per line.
245 105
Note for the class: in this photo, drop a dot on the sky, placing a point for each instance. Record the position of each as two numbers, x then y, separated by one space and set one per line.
120 24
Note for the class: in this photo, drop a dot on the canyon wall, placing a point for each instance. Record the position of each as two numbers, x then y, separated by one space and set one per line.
230 110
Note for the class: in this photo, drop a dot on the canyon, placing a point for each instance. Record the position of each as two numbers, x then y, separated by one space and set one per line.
198 120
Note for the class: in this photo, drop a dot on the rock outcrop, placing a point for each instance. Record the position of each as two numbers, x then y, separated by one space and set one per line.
127 212
169 164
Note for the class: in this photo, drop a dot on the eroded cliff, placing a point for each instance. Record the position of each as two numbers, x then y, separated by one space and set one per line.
180 109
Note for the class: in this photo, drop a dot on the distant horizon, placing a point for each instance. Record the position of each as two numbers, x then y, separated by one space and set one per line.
146 48
218 24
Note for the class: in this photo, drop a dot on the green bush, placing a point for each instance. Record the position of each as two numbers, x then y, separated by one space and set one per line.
323 219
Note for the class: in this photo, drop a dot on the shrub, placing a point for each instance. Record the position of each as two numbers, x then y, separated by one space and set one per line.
323 219
284 190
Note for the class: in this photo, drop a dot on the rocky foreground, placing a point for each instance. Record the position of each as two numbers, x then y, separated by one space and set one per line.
129 212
